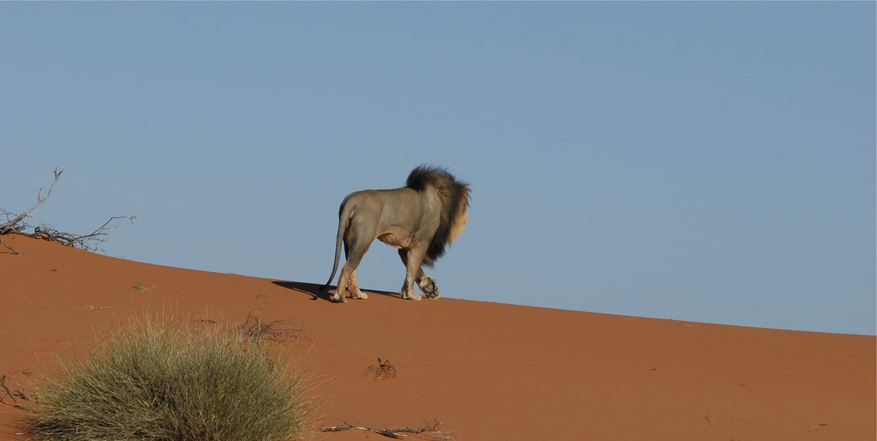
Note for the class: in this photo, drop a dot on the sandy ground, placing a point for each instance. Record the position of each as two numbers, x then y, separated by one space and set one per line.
485 371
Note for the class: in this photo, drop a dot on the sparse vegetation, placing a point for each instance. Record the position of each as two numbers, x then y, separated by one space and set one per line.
140 286
156 380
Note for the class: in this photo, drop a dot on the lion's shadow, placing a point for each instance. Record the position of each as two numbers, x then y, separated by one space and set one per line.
315 291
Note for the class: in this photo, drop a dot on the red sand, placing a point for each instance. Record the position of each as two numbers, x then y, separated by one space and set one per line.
485 371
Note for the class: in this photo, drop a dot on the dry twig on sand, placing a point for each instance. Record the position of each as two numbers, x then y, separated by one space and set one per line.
90 307
429 431
6 391
9 247
278 331
11 394
384 370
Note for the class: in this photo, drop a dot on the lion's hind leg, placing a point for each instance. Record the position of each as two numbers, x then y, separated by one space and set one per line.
340 292
408 290
355 292
347 283
354 248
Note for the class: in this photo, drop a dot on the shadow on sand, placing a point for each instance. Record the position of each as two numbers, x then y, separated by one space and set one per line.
315 291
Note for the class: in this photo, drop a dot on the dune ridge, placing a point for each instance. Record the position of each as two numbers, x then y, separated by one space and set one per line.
485 371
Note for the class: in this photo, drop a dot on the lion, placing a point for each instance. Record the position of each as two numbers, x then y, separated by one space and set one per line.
420 219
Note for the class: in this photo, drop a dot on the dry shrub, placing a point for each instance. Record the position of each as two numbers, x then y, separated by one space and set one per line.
158 380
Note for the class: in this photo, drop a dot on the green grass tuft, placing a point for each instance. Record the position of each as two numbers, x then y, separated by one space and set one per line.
157 380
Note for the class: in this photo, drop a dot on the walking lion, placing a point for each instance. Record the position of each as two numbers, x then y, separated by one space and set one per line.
420 219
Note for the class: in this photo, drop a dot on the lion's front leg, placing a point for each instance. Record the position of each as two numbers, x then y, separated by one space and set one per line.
428 287
412 259
408 289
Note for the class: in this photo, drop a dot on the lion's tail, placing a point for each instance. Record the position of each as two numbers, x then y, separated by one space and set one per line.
344 215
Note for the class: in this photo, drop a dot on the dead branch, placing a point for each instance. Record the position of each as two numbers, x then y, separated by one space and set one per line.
88 242
11 225
430 430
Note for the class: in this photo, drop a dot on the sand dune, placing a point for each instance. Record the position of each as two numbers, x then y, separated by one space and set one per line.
485 371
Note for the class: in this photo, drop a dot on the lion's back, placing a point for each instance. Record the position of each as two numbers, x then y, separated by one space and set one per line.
401 206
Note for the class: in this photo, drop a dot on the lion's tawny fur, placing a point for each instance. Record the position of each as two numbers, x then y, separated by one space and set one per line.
420 219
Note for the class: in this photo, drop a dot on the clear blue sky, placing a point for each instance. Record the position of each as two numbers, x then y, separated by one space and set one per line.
710 162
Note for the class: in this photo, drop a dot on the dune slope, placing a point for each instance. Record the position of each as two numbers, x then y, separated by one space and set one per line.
485 371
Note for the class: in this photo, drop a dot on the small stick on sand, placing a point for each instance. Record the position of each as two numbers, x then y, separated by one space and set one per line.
10 248
394 433
11 394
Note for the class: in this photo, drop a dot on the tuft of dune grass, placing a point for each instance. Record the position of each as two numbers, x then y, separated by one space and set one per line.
154 379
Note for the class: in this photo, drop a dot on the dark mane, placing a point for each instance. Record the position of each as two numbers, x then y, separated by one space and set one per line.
454 196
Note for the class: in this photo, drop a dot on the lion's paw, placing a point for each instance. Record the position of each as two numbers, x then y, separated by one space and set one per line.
411 296
430 289
361 295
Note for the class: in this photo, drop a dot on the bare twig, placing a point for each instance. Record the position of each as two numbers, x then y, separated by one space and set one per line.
11 394
6 391
88 242
10 225
90 307
7 214
383 370
95 308
9 247
35 306
430 430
